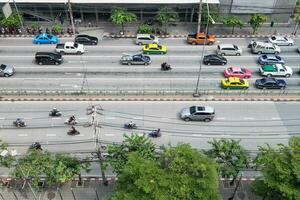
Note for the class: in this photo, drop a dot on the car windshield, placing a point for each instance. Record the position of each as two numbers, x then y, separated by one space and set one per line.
243 70
264 56
273 38
284 68
286 38
235 47
2 67
152 37
263 80
75 45
278 57
192 109
50 37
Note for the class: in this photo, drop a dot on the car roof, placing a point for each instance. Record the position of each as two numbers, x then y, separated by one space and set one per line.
270 55
236 69
226 45
269 67
269 79
153 45
233 79
46 53
143 35
200 108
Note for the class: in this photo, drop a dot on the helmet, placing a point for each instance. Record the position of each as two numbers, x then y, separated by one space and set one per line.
54 108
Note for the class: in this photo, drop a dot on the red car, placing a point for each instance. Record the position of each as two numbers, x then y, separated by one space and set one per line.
237 72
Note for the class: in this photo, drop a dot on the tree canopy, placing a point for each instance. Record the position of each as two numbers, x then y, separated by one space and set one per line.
165 15
233 21
256 21
281 171
121 16
13 21
180 173
7 159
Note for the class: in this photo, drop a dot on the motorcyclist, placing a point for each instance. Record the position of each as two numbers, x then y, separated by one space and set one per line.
36 146
165 66
19 122
54 111
73 130
72 119
131 124
155 133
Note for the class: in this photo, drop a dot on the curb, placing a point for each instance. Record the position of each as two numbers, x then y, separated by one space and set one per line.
29 36
217 36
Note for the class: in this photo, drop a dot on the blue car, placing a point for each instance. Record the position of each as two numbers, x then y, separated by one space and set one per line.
45 39
269 59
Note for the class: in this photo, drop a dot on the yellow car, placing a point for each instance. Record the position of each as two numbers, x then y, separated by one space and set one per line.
234 83
154 49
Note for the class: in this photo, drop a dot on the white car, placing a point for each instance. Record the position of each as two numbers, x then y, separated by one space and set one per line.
70 48
281 40
276 70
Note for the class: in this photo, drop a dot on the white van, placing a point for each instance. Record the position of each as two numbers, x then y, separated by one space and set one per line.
146 39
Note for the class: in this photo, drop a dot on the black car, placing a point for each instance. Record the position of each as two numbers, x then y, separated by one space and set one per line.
270 83
86 40
135 59
48 58
214 59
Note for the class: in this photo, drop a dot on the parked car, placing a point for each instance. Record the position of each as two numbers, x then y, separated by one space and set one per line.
265 48
70 48
229 50
270 59
135 59
146 39
234 83
86 40
237 72
270 83
6 70
45 39
281 40
48 58
214 59
275 70
198 113
201 38
154 49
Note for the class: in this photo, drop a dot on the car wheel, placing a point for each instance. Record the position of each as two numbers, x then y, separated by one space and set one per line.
283 87
78 53
287 75
56 63
210 43
208 63
276 53
51 42
223 63
40 63
187 119
290 44
269 75
140 43
129 63
259 52
222 54
94 43
207 119
194 43
38 42
246 77
62 53
6 75
238 54
162 53
146 63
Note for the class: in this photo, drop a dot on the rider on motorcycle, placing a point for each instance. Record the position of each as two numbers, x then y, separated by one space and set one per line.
19 122
131 124
54 111
72 119
73 130
165 66
155 133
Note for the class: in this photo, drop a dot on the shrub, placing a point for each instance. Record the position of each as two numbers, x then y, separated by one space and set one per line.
145 28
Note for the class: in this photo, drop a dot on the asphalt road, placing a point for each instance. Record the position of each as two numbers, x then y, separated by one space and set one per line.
255 123
101 70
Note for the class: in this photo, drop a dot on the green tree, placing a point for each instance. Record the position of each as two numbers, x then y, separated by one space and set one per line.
58 168
56 28
256 21
121 16
118 153
165 15
13 21
145 28
233 21
280 169
180 173
230 156
5 160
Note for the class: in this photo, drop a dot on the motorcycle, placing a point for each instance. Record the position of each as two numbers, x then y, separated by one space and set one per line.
155 133
56 114
72 132
19 123
165 67
73 122
130 126
36 146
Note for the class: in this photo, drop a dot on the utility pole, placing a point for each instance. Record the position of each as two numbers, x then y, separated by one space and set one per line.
230 8
21 22
199 16
71 16
93 111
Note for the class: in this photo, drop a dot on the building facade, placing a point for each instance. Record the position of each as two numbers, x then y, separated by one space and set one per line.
99 10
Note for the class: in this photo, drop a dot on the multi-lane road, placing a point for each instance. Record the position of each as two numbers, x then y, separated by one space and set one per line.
99 68
255 123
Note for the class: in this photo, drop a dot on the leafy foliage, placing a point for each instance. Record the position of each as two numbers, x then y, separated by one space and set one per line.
230 156
58 168
257 20
118 154
13 21
281 171
213 14
165 15
120 16
180 173
233 21
36 25
145 28
8 159
56 28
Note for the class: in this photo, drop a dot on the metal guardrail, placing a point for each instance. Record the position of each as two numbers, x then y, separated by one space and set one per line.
145 92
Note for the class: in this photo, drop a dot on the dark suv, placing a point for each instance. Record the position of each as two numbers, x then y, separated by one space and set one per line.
48 58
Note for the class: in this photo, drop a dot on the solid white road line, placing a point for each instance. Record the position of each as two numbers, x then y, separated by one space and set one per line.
51 135
248 118
22 135
109 134
110 117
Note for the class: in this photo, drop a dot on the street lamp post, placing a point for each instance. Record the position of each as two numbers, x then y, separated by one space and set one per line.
21 22
199 16
196 93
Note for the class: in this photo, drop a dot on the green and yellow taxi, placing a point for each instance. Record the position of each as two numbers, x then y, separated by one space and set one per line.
234 83
154 49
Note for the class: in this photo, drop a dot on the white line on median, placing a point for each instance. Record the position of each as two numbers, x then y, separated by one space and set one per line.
248 118
110 117
51 135
109 134
22 135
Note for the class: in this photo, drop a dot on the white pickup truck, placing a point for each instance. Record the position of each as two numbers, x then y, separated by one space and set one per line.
70 48
276 70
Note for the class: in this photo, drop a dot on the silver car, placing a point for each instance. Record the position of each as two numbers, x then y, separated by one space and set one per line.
198 113
6 70
281 40
229 50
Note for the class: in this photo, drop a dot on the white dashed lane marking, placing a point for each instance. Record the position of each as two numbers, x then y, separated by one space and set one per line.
22 135
109 134
51 135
